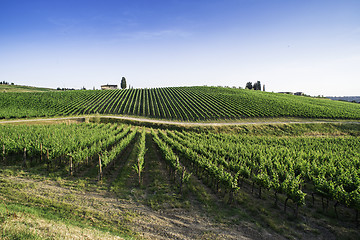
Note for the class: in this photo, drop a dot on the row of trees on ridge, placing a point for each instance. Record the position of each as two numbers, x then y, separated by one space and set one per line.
255 86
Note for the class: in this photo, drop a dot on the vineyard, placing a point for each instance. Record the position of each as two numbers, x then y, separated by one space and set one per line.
74 144
295 167
175 103
297 173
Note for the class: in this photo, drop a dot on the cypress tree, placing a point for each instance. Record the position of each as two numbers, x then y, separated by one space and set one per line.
123 83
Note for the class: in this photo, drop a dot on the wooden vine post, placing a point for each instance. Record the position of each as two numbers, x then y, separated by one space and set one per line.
4 160
71 166
182 176
24 158
100 170
47 160
41 149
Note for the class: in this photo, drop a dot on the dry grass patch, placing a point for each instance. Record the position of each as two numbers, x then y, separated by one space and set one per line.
30 227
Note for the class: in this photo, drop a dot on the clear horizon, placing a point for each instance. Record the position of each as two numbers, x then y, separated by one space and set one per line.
298 46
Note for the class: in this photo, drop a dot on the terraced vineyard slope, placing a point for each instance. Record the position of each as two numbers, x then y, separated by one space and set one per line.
175 103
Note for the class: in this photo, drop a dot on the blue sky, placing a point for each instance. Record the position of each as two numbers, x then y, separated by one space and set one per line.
289 45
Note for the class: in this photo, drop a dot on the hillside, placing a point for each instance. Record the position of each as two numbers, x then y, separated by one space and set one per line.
175 103
19 88
347 99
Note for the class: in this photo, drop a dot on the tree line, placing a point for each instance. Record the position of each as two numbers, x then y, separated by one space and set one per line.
255 86
5 83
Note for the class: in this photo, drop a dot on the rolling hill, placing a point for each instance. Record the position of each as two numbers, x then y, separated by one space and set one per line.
19 88
175 103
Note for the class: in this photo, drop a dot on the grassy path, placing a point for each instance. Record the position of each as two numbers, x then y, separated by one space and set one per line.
155 121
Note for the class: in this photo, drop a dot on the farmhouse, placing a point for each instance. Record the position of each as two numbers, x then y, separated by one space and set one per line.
108 87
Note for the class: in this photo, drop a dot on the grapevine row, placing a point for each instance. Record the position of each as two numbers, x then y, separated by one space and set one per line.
284 165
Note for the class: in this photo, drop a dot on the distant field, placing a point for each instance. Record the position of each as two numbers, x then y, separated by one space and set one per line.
175 103
18 88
